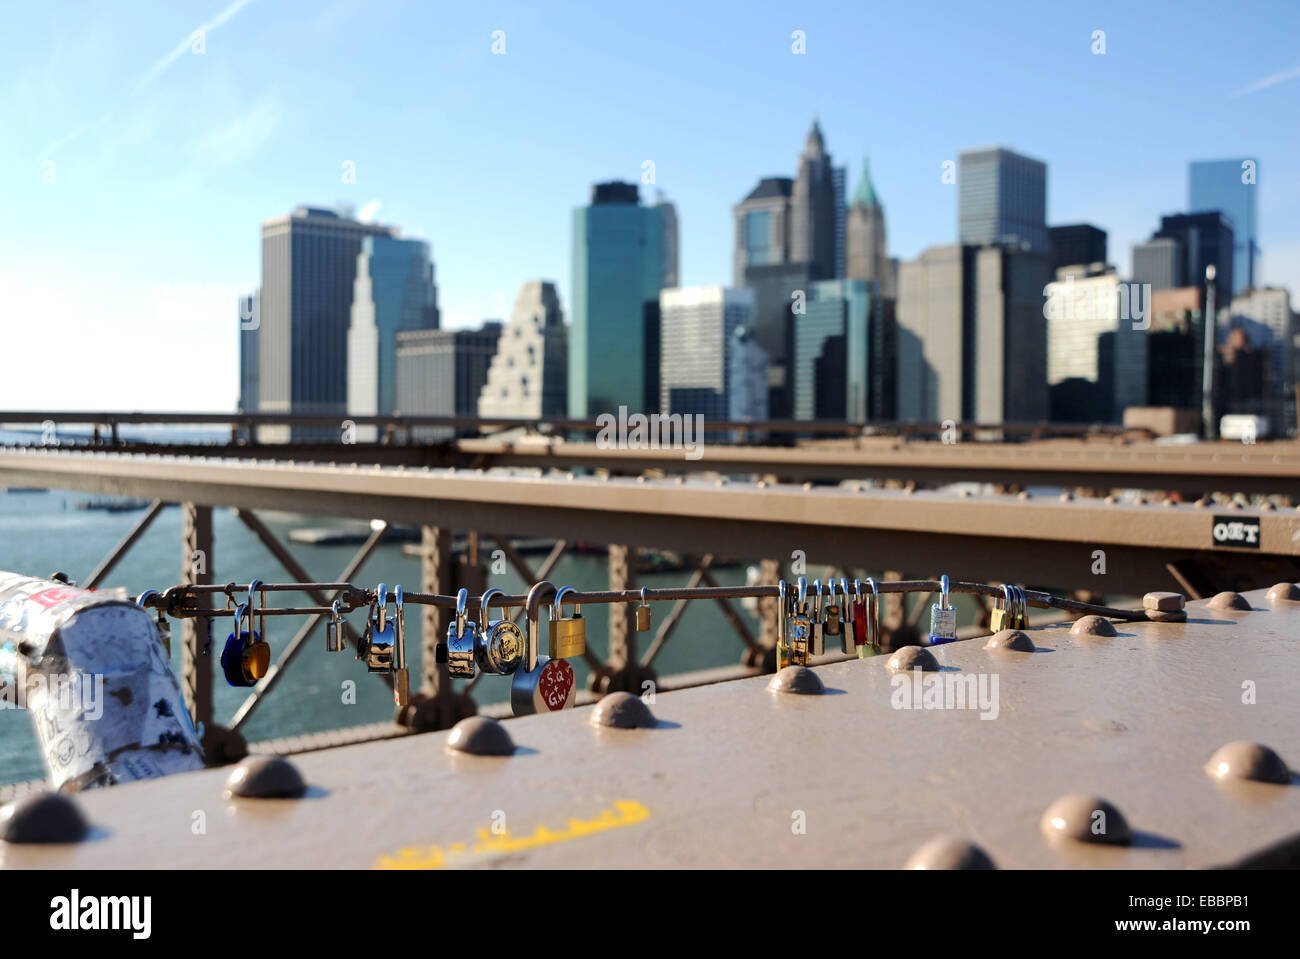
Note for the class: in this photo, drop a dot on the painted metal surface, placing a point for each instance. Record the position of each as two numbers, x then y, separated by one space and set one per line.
1035 540
91 673
737 775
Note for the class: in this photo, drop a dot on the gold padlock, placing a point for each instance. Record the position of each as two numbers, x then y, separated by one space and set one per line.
999 619
643 614
568 637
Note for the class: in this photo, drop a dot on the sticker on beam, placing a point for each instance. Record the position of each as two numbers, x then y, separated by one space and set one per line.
1236 532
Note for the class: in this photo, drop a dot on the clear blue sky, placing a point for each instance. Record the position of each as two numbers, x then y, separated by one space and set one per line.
118 280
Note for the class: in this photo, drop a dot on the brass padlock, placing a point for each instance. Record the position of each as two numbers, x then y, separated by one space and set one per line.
1000 618
568 637
801 626
643 614
783 626
870 612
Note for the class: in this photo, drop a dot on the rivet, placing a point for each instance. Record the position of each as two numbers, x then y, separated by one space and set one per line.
1165 602
1139 500
1093 626
622 710
1243 759
1284 591
949 852
797 679
964 493
1024 494
1066 496
913 657
480 736
1266 505
1085 819
1228 600
43 817
1013 639
265 777
1111 499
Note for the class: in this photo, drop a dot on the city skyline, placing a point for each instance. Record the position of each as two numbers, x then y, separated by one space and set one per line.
165 164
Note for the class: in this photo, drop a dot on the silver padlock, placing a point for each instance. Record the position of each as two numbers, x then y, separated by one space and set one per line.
540 684
500 647
943 618
462 636
816 642
383 636
334 629
401 675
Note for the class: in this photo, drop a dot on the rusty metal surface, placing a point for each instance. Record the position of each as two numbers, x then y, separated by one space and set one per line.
733 769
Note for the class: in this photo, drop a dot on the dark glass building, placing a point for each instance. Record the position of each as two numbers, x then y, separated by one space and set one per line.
1079 243
442 372
1228 186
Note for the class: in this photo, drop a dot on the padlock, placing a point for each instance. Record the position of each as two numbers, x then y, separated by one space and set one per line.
568 637
164 627
246 658
500 647
943 618
401 675
871 628
833 617
643 614
1000 618
334 629
856 635
548 684
801 626
782 626
383 636
816 643
462 637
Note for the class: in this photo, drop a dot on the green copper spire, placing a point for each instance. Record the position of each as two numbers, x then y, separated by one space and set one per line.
866 193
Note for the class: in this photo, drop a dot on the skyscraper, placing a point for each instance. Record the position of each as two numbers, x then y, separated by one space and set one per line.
1077 244
528 376
393 292
1003 200
617 272
309 263
668 218
813 209
250 321
1269 309
835 346
712 365
972 341
1096 356
840 178
441 372
1228 186
867 251
1159 262
1202 238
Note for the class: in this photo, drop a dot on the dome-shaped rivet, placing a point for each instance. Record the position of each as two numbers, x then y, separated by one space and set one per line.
949 852
622 710
265 777
1085 819
480 736
797 679
1243 759
1228 600
1093 626
43 817
913 657
1284 591
1013 639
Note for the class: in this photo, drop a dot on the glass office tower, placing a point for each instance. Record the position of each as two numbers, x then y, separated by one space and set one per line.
617 272
1229 187
1002 200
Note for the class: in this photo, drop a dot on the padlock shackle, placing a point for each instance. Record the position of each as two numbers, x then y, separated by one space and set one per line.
872 611
254 588
381 606
644 601
140 600
241 610
801 595
1005 601
462 610
943 594
780 614
532 608
556 611
483 605
399 643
